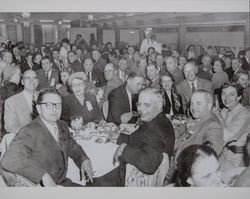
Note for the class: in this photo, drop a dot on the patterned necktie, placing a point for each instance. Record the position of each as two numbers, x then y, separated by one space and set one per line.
34 111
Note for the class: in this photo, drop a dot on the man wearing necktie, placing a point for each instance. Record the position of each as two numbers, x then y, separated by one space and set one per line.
41 149
18 108
122 100
144 147
48 76
191 83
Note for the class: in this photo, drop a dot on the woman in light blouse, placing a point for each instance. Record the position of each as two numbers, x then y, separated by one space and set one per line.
235 120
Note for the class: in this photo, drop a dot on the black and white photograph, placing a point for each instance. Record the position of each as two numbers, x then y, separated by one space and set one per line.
134 96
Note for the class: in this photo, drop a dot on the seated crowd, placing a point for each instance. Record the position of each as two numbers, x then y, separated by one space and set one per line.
46 92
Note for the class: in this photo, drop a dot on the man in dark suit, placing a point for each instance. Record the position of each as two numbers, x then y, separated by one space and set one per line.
40 150
100 63
191 84
28 63
143 148
74 63
246 60
48 76
95 76
57 63
122 100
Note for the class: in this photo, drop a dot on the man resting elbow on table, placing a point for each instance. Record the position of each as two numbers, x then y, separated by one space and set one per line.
40 150
144 147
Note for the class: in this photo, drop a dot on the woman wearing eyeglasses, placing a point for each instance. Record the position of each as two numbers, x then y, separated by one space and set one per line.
235 120
80 104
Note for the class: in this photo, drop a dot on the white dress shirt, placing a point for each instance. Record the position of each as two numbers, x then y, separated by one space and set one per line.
195 84
129 98
53 129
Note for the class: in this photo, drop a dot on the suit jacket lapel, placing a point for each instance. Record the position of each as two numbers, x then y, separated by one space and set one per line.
25 107
187 88
125 98
62 143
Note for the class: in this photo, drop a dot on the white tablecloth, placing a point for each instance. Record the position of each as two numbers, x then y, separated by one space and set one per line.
101 156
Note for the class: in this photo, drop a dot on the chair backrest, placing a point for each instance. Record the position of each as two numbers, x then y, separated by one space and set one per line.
135 178
105 108
15 180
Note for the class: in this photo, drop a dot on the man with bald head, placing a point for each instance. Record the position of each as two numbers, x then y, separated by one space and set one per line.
143 148
192 83
18 108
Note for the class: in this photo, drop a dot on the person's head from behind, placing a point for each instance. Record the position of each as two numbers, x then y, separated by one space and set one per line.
231 94
190 71
201 104
49 105
46 63
110 72
152 72
241 77
30 80
198 166
150 103
134 82
88 65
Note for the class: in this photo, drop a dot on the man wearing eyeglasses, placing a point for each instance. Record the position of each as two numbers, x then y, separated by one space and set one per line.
40 150
143 148
18 109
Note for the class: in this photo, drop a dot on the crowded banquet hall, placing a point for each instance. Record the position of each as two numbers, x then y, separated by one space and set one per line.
124 99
